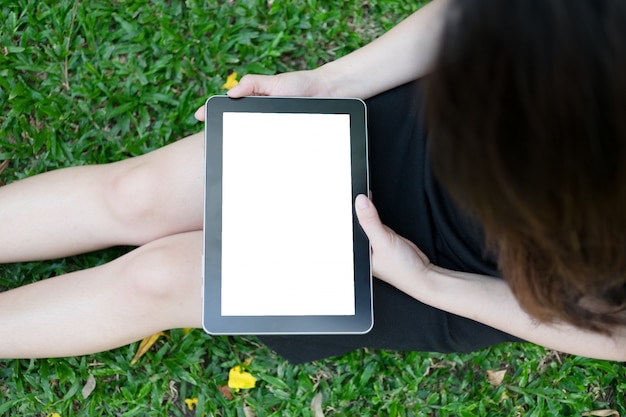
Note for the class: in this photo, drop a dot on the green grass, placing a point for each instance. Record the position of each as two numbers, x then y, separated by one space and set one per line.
93 82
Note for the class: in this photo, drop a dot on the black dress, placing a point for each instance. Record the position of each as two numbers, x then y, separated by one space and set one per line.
411 202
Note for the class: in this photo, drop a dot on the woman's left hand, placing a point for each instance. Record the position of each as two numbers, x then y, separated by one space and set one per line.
484 299
395 259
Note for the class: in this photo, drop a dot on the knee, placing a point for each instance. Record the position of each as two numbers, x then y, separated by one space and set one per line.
163 273
153 275
131 195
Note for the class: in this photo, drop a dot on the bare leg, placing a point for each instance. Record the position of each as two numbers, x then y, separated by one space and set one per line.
154 200
79 209
155 287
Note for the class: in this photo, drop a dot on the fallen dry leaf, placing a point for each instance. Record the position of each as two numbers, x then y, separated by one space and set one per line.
225 391
550 357
440 365
248 412
145 345
90 385
316 405
601 413
172 391
495 378
4 166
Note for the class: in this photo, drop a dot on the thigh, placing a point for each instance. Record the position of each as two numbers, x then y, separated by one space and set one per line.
159 193
84 208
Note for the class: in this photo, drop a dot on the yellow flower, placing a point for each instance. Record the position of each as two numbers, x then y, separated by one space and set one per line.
191 403
54 415
240 379
231 81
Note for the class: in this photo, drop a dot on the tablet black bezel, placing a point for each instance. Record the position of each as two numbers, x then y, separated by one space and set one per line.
213 322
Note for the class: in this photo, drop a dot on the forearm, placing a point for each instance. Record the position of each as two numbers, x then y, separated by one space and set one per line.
490 301
403 54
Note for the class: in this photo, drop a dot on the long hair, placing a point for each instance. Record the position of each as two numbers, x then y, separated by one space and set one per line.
527 118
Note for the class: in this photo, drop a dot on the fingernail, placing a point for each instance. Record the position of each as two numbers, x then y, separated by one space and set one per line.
233 90
362 201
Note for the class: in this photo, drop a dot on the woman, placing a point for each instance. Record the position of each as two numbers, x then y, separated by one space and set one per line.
495 103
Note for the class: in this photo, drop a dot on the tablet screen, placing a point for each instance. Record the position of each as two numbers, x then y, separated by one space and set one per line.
287 238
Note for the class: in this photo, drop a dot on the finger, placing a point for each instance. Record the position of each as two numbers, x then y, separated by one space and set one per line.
370 222
199 114
252 85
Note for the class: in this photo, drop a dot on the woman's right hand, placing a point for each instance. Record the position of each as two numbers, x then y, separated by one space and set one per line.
309 83
290 84
405 53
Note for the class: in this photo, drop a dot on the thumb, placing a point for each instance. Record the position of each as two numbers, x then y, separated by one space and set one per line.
199 114
369 220
250 85
253 85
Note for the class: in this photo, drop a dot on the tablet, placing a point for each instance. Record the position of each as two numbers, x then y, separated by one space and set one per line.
283 250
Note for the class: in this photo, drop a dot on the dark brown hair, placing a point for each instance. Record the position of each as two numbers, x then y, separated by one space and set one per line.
527 118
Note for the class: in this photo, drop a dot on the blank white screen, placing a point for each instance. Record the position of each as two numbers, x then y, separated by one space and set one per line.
286 215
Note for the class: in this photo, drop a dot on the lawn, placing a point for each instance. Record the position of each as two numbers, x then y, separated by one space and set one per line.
99 81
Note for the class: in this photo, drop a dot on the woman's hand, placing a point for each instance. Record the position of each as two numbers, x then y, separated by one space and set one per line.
298 83
311 83
480 298
395 259
377 67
